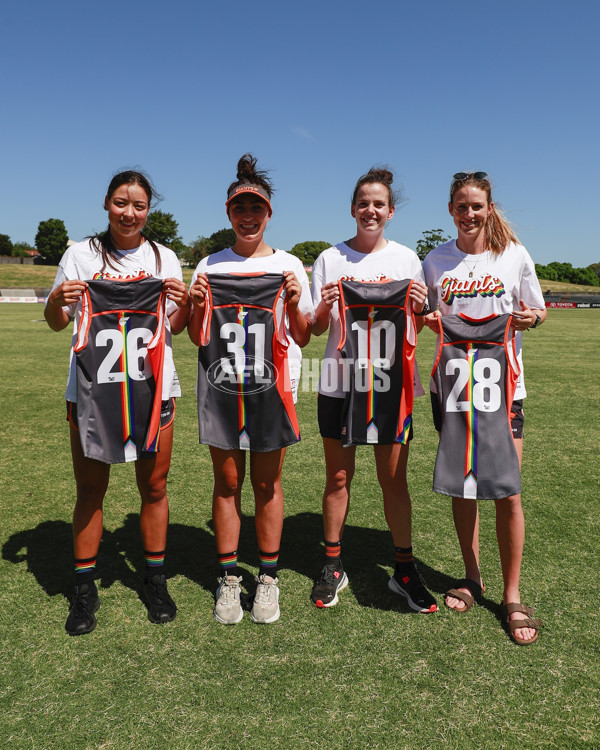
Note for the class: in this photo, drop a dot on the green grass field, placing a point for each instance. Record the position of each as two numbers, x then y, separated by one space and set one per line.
16 275
366 674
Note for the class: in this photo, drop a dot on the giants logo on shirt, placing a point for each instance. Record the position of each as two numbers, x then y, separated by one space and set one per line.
134 275
379 278
484 286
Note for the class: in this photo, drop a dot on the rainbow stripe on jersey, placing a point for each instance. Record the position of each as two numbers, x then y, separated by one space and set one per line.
470 482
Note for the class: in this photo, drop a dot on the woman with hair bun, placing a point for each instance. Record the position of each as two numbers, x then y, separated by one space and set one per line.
107 262
370 258
251 314
482 275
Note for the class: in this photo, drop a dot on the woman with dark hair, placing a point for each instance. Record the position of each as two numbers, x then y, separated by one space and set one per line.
484 273
370 258
117 257
251 313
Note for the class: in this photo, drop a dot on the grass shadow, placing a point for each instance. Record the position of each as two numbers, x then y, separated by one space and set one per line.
191 552
367 554
47 552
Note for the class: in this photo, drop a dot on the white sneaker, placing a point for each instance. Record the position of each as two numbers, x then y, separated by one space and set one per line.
228 609
266 600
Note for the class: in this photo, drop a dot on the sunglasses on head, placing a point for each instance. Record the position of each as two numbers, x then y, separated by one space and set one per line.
464 175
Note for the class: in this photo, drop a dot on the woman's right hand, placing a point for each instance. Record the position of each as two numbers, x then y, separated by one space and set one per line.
199 290
432 320
330 293
67 293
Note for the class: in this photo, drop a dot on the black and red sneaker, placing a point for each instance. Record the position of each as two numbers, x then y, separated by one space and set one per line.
407 582
325 591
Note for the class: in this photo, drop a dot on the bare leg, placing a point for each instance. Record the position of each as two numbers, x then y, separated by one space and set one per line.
510 532
391 462
91 478
229 468
265 475
339 468
466 522
151 476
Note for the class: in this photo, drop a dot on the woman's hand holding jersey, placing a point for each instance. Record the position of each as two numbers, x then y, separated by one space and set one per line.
176 290
67 293
199 290
432 320
300 326
526 318
418 295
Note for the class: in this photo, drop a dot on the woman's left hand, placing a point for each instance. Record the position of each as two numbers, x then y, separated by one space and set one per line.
523 320
176 291
293 288
418 295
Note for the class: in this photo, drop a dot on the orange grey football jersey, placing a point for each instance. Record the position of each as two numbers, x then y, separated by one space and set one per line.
119 357
475 373
244 394
377 344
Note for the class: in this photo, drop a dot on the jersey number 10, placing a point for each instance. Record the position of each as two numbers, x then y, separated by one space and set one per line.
376 343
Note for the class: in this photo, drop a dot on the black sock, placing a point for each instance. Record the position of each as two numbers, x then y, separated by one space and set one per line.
333 552
404 558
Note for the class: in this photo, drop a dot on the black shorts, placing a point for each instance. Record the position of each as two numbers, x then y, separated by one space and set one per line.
167 413
329 414
516 416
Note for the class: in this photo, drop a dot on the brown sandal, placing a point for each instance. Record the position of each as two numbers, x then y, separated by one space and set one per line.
528 622
469 599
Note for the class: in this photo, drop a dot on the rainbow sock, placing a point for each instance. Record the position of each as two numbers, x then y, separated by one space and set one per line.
268 563
154 563
228 564
85 570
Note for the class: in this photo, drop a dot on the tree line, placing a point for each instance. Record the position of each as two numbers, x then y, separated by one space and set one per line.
52 238
589 275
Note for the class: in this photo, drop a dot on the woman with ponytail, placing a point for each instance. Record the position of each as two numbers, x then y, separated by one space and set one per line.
251 314
483 273
120 254
370 258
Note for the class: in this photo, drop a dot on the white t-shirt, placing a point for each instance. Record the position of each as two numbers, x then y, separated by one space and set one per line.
394 262
498 285
83 261
227 261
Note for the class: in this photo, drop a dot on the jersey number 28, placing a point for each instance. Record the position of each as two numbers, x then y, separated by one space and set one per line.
486 395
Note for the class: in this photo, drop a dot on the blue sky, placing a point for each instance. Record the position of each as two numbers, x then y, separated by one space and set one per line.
319 92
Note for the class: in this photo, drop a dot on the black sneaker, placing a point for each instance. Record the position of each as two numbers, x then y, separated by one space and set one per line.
325 591
81 617
161 607
407 582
